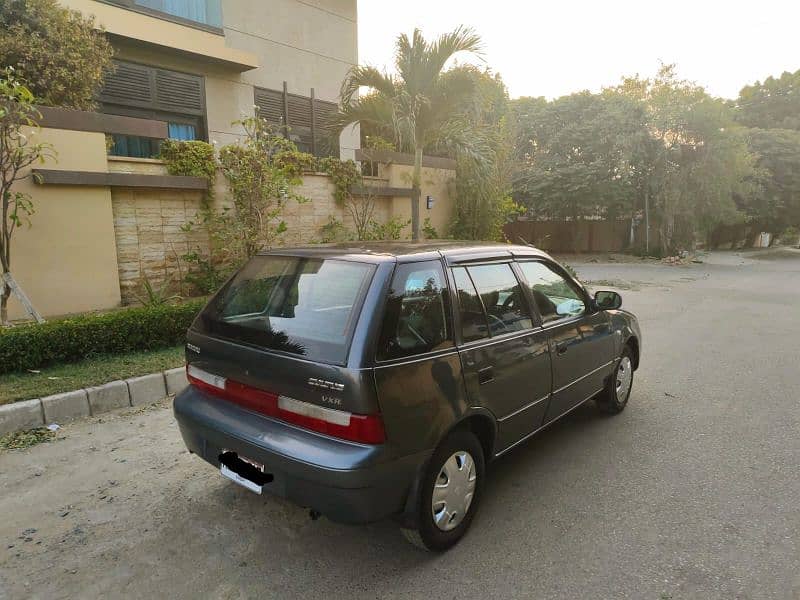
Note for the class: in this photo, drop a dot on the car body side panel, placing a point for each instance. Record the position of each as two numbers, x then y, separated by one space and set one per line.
625 326
520 386
420 400
583 355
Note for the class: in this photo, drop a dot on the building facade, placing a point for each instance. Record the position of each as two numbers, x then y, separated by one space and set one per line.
109 218
202 65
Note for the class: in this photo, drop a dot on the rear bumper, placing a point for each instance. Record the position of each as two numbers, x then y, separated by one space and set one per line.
347 482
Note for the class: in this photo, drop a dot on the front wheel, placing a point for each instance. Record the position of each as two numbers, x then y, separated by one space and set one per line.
614 398
450 493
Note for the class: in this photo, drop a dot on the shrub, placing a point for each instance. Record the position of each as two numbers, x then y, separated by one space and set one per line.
76 338
58 51
192 158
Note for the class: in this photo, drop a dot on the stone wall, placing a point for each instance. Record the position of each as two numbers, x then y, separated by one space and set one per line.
150 237
305 220
149 223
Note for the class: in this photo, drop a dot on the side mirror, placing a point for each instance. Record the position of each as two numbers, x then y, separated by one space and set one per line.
606 300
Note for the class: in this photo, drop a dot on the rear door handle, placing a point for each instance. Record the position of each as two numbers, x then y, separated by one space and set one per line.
485 375
561 348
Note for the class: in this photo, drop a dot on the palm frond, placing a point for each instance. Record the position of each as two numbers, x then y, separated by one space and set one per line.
461 39
375 109
368 77
458 136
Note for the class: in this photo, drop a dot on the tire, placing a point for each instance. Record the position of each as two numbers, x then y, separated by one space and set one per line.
614 398
459 454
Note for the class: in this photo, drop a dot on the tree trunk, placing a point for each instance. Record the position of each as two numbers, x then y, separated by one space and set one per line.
5 292
416 180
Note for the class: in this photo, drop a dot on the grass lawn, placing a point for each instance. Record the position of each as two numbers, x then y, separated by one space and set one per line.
98 370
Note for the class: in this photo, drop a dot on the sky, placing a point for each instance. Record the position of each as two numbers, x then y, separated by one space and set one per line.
559 47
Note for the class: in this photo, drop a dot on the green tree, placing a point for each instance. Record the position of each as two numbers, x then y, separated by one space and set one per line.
776 202
700 161
18 121
483 202
416 107
773 104
58 52
580 155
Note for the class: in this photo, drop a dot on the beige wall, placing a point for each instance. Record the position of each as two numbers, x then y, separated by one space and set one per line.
66 261
436 183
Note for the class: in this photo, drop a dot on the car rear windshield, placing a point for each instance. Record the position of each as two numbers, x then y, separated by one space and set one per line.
297 305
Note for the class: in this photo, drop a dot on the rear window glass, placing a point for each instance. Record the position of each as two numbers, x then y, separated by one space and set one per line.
303 306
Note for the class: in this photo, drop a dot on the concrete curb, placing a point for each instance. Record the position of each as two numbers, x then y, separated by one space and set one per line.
175 380
66 406
94 400
108 397
146 389
21 415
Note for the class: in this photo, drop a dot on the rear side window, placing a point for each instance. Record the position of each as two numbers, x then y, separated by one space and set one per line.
473 319
304 306
417 318
502 298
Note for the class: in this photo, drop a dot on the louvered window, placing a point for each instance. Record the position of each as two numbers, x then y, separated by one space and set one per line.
304 118
270 106
151 93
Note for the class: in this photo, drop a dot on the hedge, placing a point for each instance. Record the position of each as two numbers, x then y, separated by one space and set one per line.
76 338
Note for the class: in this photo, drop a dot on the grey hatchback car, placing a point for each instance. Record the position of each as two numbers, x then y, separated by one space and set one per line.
377 380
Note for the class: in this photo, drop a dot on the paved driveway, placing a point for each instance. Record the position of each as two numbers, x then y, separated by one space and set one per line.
693 492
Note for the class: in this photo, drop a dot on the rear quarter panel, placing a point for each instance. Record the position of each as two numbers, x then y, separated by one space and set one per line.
421 400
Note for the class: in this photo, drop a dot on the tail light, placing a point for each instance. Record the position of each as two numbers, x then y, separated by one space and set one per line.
367 429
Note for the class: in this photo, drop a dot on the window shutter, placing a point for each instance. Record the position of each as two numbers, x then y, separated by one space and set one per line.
178 92
326 143
299 111
156 89
309 131
270 105
129 85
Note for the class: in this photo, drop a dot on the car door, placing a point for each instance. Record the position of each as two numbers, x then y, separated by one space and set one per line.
504 353
580 337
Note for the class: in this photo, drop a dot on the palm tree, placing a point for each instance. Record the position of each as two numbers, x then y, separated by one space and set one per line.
419 107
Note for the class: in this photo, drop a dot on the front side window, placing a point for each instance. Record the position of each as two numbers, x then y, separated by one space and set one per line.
304 306
417 318
502 298
556 297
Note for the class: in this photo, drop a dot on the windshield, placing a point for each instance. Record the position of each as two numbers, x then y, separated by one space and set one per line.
304 306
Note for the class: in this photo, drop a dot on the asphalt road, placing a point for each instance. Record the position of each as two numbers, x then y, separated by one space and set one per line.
692 492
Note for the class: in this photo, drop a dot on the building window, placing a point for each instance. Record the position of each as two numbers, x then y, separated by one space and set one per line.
304 119
135 90
204 12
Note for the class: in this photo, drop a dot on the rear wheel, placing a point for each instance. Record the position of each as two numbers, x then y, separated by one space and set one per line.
450 493
614 398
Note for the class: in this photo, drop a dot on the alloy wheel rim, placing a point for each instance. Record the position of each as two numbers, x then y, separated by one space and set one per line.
453 490
624 378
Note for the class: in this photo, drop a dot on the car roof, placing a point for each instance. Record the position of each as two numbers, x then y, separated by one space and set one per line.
402 251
